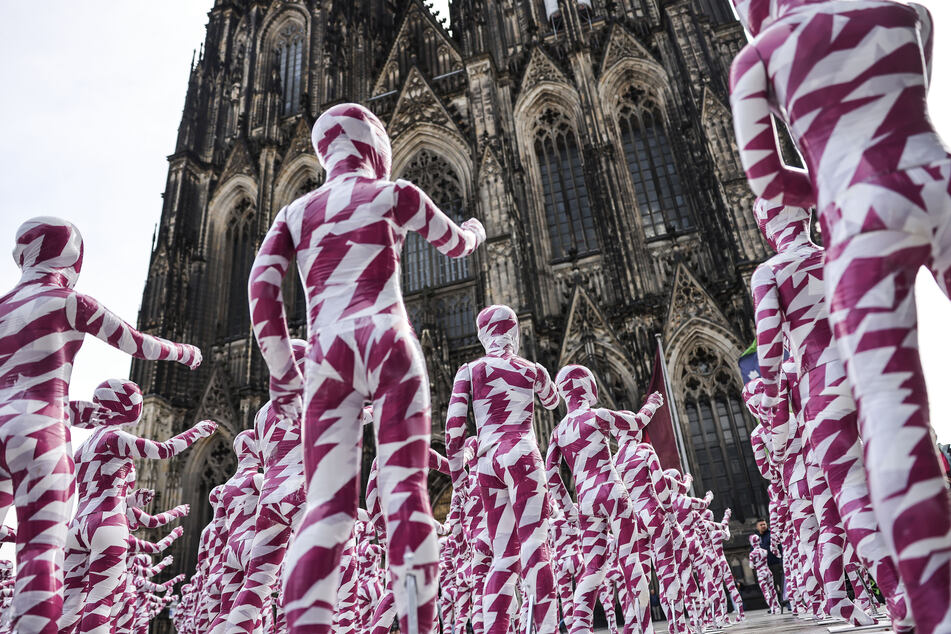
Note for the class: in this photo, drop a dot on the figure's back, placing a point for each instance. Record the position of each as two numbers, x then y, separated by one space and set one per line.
585 449
503 400
101 475
37 346
348 250
850 79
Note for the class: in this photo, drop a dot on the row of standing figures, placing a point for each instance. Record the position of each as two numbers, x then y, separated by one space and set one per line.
848 78
512 529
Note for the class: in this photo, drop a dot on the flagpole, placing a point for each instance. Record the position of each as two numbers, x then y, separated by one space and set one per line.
674 415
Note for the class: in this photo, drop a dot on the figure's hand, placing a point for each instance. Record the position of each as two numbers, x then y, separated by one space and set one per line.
655 400
206 428
181 510
708 497
473 225
688 481
191 356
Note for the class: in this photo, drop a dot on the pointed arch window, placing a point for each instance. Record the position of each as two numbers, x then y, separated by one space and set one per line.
289 51
650 159
568 211
423 266
240 237
719 437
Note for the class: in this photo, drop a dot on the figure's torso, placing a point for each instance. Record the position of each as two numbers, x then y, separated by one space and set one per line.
849 78
503 401
101 475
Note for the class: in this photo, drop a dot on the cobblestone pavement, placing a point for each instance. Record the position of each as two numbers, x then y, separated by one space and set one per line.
760 621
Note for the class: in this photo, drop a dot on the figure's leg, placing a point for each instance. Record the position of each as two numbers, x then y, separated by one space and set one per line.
526 480
807 528
594 544
637 609
870 282
402 418
606 596
108 543
727 576
670 590
385 612
499 592
481 566
833 436
77 568
332 434
271 536
41 469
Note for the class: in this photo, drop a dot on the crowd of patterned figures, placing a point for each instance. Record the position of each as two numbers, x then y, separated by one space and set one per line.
531 543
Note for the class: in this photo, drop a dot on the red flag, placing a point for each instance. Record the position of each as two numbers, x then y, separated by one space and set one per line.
660 431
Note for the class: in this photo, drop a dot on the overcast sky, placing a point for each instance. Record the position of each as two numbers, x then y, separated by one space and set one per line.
94 97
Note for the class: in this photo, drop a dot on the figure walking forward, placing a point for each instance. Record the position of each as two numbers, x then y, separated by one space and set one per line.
347 237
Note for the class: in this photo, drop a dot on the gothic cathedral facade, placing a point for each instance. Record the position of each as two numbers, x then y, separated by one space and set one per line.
591 137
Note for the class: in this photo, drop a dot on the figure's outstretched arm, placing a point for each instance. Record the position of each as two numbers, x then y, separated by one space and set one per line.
457 417
415 211
556 485
756 139
86 415
268 319
438 462
769 332
760 455
89 316
129 446
140 519
137 545
545 387
663 493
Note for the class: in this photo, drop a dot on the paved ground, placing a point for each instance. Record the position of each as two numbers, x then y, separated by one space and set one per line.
760 621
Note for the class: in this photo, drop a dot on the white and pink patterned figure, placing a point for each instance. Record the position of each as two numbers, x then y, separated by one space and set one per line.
764 576
850 80
471 545
240 498
42 325
501 388
280 508
346 238
209 547
651 493
101 525
604 506
565 540
791 313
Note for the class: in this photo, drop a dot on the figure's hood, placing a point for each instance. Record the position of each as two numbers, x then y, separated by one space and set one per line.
121 399
754 541
46 245
246 449
577 386
756 15
498 329
349 139
781 225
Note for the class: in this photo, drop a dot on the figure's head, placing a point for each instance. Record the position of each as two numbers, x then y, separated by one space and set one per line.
754 541
761 526
121 399
47 245
781 224
246 449
756 15
498 329
577 386
348 138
